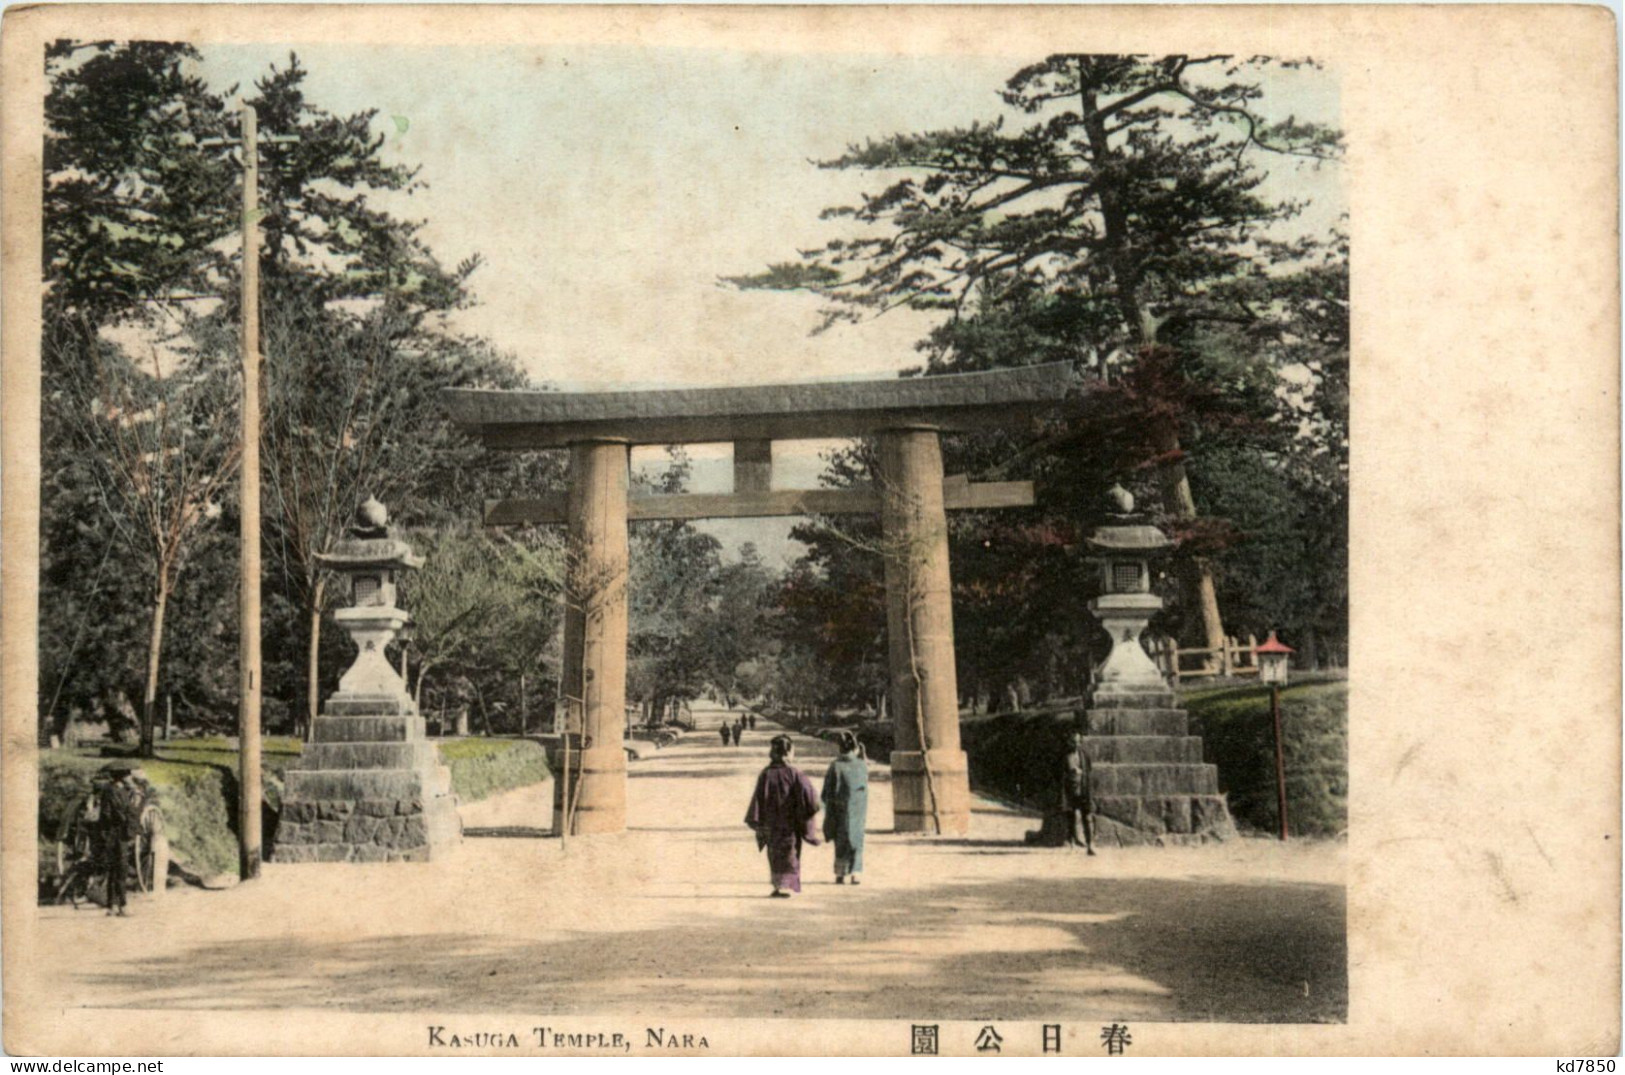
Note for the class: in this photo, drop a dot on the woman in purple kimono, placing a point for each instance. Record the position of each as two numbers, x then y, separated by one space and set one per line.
781 813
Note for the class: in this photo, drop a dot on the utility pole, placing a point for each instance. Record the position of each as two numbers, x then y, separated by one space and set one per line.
248 710
249 788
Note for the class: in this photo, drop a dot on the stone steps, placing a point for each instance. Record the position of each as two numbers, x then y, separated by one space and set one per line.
319 785
371 729
1137 722
367 705
1155 779
1134 699
1148 782
1105 749
1127 820
404 755
352 785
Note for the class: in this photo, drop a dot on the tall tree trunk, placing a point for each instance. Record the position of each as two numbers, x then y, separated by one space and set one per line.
155 644
1176 489
313 700
1178 502
417 695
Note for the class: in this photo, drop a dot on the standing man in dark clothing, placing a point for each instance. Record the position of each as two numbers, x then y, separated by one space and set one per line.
119 819
1077 803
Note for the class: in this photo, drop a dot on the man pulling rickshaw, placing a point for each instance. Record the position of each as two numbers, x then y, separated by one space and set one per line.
112 832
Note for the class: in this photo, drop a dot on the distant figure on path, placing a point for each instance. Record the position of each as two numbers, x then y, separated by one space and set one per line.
782 812
846 807
1077 803
727 732
739 730
752 719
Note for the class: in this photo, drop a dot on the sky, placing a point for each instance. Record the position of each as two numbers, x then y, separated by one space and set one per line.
608 188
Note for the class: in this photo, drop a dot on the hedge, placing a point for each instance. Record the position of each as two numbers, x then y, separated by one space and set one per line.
1238 736
1013 755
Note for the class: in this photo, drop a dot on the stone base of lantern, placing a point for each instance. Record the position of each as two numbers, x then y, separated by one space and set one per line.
1150 785
369 789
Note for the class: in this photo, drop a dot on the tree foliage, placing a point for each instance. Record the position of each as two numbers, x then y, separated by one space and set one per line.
142 277
1116 214
484 610
1125 212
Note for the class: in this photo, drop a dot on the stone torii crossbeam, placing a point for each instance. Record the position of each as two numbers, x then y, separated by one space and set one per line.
930 776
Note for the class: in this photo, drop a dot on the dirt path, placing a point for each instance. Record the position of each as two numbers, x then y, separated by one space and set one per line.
673 916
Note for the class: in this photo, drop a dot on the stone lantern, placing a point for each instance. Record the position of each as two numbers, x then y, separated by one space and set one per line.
1148 782
372 559
370 788
1123 550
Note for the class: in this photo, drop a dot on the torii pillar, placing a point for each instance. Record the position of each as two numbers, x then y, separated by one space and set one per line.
595 618
930 773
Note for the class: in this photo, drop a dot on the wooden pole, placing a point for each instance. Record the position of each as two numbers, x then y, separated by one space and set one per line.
248 713
1280 757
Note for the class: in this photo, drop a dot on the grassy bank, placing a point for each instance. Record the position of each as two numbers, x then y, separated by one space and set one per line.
481 768
196 780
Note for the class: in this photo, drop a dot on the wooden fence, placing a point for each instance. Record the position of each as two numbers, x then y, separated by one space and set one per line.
1231 659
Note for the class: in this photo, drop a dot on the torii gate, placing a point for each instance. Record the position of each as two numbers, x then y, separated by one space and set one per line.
930 776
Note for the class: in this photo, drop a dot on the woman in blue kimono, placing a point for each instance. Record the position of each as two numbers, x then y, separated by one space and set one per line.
846 807
781 814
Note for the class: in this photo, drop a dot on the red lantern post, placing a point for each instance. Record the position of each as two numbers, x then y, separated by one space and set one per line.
1272 669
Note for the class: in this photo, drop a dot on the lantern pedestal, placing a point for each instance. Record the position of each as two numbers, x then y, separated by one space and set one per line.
1125 616
1150 783
372 630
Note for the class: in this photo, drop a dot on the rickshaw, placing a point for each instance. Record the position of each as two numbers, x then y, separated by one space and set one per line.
79 873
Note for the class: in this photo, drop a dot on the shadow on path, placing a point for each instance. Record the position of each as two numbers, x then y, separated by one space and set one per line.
1149 949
